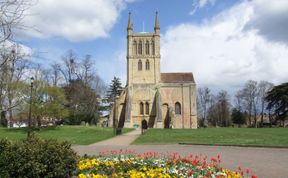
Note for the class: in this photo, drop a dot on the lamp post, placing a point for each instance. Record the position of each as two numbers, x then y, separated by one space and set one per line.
30 105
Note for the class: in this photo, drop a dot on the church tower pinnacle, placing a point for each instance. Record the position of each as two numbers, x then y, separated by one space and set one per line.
157 26
130 25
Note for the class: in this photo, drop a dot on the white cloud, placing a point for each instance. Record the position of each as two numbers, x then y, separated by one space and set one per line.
21 50
198 4
270 19
73 19
221 54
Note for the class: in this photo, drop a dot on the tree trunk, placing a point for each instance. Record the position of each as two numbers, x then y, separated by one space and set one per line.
262 115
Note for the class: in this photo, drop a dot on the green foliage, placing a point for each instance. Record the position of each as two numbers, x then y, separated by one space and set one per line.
35 157
83 103
237 117
49 101
55 102
82 116
277 100
115 89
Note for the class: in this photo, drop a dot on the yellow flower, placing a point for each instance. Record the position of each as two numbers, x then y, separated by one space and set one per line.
81 176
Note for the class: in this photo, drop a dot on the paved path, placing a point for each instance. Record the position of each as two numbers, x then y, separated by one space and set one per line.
124 139
264 162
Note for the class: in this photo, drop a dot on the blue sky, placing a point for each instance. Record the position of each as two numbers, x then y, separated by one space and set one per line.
214 39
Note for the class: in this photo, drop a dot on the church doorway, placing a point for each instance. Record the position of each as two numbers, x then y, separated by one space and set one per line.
165 115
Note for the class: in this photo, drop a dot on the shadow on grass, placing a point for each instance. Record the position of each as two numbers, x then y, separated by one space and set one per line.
25 130
18 130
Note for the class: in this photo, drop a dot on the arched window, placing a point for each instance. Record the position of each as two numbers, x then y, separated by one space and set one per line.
135 47
141 108
147 108
177 108
147 51
153 48
140 47
139 65
147 65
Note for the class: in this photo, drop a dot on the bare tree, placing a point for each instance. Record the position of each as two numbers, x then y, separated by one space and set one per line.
203 100
248 98
70 66
219 112
11 85
55 74
238 100
11 14
87 67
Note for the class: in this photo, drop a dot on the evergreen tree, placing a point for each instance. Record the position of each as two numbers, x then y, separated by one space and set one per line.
277 100
238 117
114 91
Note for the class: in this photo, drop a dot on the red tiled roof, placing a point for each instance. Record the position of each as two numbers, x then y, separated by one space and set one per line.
177 77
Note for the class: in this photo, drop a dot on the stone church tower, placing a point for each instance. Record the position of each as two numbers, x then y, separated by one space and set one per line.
143 55
164 100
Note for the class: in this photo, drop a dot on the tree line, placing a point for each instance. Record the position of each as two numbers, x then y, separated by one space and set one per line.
69 90
256 104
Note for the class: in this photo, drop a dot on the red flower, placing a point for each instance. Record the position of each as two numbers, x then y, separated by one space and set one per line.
253 176
214 160
189 173
247 171
209 173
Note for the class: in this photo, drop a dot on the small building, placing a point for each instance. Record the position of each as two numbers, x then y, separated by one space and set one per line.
165 100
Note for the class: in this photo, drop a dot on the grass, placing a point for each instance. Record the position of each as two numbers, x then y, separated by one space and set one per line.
220 136
79 135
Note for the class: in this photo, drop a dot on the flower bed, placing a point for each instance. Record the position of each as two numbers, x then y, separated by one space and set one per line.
134 165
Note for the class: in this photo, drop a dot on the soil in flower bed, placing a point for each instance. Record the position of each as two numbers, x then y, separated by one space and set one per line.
151 164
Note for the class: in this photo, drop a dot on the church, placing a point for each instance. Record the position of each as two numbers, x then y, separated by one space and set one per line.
164 100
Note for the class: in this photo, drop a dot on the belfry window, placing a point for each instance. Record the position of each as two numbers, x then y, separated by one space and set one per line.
153 48
139 65
147 65
141 108
147 50
135 47
147 108
140 47
177 108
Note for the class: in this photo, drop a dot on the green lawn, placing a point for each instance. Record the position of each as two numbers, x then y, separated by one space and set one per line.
225 136
80 135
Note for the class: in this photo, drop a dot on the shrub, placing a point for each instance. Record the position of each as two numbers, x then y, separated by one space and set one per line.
77 118
36 157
